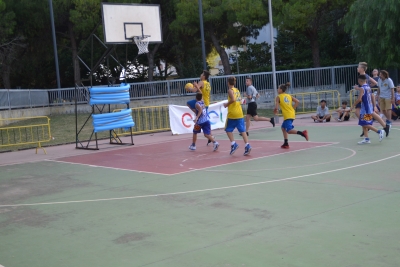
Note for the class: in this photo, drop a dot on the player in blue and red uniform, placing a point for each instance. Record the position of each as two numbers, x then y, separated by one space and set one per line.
202 123
366 110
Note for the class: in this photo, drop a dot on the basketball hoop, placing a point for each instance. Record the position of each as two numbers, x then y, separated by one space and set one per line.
142 43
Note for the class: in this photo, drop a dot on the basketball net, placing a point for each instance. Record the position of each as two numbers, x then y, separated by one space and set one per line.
142 43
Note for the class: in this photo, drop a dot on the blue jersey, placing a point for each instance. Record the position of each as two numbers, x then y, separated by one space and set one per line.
203 117
367 106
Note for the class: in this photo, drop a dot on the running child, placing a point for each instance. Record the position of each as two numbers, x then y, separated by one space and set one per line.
285 102
361 69
366 110
252 95
235 117
202 123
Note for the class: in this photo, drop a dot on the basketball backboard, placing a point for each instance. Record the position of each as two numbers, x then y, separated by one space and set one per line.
123 21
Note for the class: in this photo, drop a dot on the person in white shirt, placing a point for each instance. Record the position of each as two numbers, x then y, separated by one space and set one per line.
322 113
386 95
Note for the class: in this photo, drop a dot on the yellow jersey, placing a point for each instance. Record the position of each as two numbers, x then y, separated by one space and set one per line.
206 91
235 109
285 103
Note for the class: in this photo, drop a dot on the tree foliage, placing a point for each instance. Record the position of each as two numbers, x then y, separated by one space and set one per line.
226 22
308 17
375 32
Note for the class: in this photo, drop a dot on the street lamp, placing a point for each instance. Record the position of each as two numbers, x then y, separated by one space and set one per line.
203 46
53 31
273 55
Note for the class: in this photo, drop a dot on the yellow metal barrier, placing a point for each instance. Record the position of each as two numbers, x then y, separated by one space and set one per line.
332 97
353 96
19 132
148 120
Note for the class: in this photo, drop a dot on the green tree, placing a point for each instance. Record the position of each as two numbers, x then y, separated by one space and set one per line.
307 17
374 27
225 22
10 43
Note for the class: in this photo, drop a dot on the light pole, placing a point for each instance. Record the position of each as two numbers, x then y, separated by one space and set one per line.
203 46
53 31
273 55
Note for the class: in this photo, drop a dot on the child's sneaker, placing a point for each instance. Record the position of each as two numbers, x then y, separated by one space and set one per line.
285 146
305 134
234 147
272 121
192 147
216 145
247 150
380 135
209 141
364 141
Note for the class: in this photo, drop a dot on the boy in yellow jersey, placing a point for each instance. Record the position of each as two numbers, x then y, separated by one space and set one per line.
203 87
285 102
235 117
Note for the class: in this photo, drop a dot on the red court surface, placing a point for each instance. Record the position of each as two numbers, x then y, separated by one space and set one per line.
174 157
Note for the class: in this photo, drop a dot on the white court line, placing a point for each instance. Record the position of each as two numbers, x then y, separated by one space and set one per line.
294 167
105 167
200 190
274 155
181 165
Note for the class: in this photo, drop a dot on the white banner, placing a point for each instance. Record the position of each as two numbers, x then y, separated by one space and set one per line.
181 117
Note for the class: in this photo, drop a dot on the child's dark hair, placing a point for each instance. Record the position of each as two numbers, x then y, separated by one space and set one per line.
206 74
362 77
231 80
284 87
344 102
323 101
199 96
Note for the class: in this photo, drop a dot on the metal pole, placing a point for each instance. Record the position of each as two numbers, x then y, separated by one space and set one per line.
53 31
203 46
237 60
273 54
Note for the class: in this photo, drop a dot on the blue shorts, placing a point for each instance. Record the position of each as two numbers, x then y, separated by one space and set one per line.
287 125
231 124
365 119
205 126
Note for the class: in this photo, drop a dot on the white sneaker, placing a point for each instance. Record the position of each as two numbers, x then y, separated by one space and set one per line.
192 147
324 121
339 120
364 141
381 135
216 145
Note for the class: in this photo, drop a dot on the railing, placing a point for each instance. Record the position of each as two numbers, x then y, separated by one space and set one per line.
18 132
147 120
310 101
304 80
353 95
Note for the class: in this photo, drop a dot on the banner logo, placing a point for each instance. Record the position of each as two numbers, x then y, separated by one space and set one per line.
190 119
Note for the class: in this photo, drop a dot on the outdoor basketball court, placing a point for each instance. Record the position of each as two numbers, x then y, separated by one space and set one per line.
326 202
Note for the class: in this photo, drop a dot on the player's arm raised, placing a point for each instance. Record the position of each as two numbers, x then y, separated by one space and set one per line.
197 86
